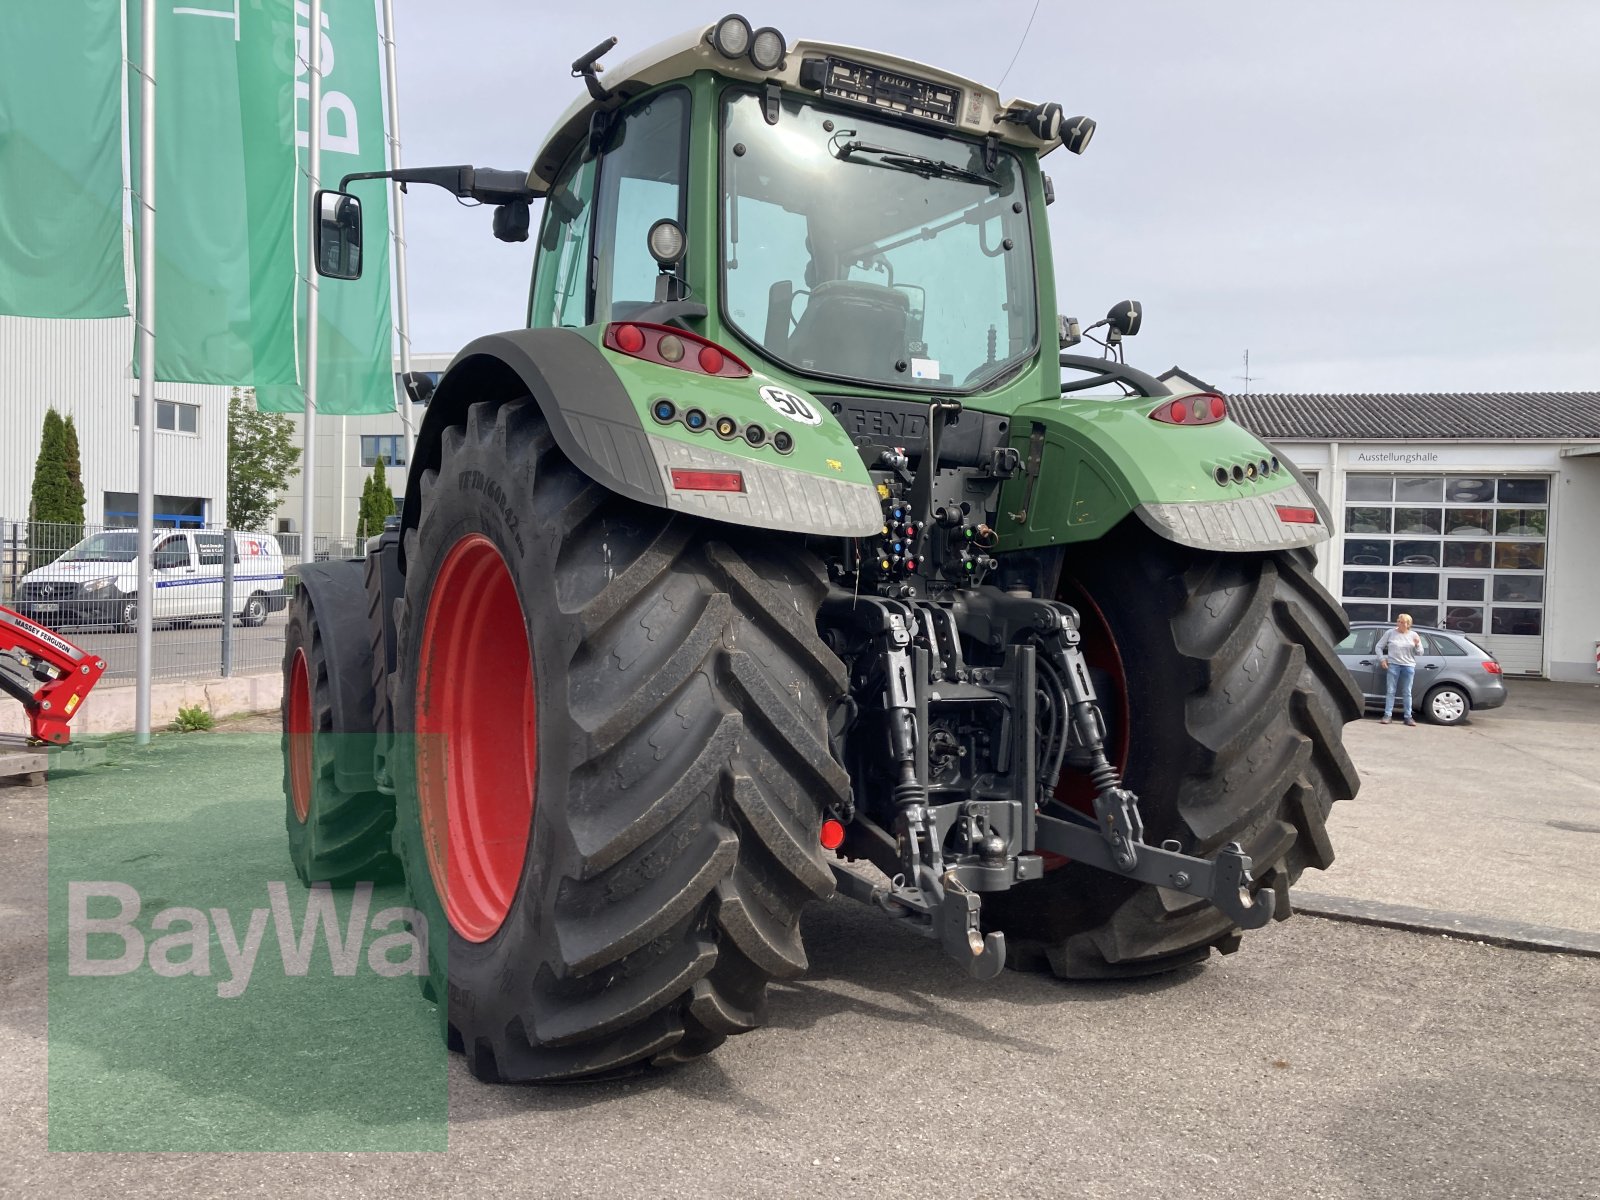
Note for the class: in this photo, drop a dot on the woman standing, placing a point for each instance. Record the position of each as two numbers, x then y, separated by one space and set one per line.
1397 655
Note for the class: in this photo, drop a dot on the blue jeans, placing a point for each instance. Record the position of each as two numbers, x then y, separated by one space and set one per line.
1398 676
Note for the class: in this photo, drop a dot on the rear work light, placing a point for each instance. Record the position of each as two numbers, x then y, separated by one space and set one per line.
1491 666
1294 515
707 481
673 348
1206 408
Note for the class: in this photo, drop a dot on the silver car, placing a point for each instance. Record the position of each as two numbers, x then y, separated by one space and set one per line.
1454 674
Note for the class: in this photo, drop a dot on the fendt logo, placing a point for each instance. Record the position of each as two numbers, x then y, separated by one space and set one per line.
185 941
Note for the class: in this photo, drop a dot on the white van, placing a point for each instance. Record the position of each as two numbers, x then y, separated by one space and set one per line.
96 582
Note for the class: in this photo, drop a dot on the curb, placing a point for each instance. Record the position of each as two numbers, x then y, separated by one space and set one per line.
111 709
1513 935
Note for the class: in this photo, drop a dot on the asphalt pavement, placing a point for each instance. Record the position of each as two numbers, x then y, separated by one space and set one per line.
1324 1059
192 650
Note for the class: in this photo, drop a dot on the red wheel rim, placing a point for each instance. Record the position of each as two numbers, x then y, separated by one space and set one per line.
300 734
477 747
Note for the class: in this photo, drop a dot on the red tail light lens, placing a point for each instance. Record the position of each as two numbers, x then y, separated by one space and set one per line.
1206 408
638 339
1294 515
707 481
1491 666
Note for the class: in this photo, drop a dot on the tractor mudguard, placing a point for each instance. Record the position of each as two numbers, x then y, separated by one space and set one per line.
599 404
338 595
1089 463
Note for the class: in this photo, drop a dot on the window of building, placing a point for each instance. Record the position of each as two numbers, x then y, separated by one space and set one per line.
172 416
390 447
1463 551
122 510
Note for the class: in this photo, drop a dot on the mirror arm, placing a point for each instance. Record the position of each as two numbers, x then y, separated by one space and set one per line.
483 184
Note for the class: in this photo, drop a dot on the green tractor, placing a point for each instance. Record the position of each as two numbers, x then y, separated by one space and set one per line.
774 558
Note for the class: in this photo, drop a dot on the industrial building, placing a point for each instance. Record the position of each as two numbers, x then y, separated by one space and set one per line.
1478 512
83 369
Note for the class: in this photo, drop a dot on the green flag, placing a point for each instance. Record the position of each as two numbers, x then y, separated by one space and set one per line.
355 344
61 159
224 180
232 201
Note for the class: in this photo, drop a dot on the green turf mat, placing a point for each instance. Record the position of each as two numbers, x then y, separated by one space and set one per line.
177 1048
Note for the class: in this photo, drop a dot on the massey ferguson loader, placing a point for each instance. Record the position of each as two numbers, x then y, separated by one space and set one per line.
773 558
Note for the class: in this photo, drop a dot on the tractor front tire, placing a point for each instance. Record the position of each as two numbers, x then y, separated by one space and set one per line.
611 812
1226 707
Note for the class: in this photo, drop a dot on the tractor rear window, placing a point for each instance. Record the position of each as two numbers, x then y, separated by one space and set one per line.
862 250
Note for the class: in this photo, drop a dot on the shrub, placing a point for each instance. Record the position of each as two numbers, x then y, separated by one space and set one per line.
193 718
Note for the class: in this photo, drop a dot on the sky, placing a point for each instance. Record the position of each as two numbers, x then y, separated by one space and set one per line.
1367 196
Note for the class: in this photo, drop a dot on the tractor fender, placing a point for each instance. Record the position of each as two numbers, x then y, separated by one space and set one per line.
597 425
590 413
337 591
1212 487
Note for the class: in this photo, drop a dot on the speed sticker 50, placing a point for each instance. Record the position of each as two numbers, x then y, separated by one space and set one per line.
791 405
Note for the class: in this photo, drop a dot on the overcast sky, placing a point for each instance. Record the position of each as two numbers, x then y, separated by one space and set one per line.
1368 195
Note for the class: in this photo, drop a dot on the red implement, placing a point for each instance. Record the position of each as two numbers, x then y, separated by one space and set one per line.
47 674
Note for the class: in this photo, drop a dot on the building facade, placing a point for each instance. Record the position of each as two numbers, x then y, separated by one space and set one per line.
1473 512
346 449
83 369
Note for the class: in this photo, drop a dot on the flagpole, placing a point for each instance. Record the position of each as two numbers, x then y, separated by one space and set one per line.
403 311
146 333
308 545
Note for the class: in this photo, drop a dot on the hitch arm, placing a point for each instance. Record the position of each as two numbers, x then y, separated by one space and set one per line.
1224 881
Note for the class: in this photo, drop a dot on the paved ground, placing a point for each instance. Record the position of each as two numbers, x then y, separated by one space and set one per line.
186 652
1500 816
1324 1059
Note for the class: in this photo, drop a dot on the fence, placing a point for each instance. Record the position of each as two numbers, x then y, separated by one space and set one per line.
82 582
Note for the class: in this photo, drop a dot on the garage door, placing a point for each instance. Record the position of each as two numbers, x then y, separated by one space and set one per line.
1465 552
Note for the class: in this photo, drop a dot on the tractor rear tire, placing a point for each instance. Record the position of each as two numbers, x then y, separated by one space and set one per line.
336 835
629 708
1227 707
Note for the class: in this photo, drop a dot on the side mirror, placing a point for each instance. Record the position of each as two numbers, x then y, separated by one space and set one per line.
338 232
1068 331
1125 317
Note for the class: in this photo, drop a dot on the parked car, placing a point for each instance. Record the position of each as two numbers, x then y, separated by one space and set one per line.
96 582
1454 674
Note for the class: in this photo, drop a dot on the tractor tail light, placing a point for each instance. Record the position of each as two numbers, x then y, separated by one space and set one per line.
1204 408
664 345
707 481
1294 515
1491 666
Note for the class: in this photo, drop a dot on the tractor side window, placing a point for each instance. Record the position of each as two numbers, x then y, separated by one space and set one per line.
561 267
641 181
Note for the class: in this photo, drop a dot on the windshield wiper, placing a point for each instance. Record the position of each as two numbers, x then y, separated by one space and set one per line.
917 164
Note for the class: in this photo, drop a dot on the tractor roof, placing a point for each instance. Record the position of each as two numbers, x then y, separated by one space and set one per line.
681 56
